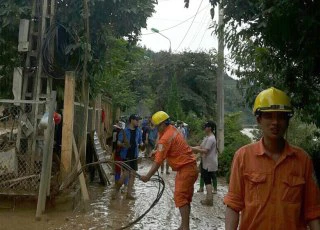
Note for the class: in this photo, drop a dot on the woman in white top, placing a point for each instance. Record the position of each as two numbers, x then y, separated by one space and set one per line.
209 160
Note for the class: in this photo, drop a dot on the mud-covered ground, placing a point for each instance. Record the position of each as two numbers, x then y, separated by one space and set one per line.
105 213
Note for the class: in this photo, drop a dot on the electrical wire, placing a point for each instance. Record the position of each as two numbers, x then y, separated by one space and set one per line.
202 23
169 28
189 26
155 179
60 52
205 31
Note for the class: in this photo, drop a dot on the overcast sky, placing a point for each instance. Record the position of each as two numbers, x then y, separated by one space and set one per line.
187 28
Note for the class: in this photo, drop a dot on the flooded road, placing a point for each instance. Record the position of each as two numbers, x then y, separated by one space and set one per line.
105 213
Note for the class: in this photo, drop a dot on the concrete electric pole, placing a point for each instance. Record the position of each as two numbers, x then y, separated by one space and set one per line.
220 83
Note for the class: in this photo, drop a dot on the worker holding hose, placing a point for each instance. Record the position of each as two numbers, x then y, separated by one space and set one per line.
173 147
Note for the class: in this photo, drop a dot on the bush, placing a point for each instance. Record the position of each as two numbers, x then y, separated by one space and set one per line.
234 139
307 137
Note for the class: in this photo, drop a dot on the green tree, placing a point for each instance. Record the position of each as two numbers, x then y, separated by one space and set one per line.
304 135
195 81
118 18
174 107
276 43
118 78
10 14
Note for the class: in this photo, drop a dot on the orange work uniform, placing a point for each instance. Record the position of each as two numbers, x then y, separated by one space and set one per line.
173 147
273 195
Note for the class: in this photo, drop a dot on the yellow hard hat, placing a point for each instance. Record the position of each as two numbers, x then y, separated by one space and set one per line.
159 117
272 100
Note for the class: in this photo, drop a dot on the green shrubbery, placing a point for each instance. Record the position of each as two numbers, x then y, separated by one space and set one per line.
307 137
234 139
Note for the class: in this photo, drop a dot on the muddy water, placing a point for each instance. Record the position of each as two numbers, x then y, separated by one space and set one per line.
105 213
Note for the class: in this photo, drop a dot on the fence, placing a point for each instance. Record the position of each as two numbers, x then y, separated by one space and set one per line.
23 145
103 126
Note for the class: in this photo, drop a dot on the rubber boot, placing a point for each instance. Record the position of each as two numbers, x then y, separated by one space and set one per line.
200 189
130 187
209 197
201 185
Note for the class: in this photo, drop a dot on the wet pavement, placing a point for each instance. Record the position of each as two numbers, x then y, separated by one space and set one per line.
105 213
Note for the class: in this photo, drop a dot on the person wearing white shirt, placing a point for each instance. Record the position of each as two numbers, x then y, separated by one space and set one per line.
209 159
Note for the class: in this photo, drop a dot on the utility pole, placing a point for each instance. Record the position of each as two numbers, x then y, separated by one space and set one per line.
36 92
220 82
84 82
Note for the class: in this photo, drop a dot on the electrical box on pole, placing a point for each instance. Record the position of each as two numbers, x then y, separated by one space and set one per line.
23 35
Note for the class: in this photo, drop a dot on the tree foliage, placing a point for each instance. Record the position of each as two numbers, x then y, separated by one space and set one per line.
195 75
276 43
118 18
118 78
174 106
10 14
183 84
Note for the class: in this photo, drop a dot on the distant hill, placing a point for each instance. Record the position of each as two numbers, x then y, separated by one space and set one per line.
235 102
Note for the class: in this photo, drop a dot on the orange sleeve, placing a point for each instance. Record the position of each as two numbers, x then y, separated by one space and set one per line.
235 198
312 194
162 150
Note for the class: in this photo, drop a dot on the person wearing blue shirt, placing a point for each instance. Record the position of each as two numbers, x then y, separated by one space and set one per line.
129 141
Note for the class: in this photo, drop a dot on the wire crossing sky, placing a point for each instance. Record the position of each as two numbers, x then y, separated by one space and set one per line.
187 28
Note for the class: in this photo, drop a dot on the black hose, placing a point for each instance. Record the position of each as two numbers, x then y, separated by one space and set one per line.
155 179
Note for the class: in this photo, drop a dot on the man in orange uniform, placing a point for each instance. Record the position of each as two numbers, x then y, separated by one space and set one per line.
173 147
272 183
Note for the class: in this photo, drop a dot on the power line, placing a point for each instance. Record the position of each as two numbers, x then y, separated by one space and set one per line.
206 7
205 31
189 26
203 22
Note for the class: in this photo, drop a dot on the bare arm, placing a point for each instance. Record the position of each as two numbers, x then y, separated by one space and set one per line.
314 224
198 149
152 171
232 219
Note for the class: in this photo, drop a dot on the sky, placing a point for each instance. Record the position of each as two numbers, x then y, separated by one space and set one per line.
186 28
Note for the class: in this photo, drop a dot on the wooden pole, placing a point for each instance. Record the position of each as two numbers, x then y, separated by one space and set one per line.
67 126
83 186
37 83
93 117
99 112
